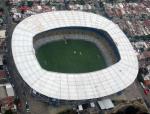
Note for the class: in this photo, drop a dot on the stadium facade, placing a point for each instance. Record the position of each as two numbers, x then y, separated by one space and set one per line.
67 86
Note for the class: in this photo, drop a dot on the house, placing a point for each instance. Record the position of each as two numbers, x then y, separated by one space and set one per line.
144 58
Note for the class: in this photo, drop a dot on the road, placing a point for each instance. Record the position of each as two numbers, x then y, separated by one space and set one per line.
9 30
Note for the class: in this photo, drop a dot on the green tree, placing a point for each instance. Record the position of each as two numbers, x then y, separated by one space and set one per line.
16 101
8 112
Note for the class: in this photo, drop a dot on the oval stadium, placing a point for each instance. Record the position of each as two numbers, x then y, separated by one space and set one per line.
73 55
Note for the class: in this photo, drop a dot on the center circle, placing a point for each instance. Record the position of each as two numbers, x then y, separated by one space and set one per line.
70 56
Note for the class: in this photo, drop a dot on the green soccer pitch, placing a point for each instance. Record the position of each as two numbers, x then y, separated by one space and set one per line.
71 56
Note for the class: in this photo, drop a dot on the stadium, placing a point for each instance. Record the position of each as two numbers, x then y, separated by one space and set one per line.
73 55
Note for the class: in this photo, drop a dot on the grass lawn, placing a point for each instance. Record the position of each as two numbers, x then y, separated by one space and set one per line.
72 56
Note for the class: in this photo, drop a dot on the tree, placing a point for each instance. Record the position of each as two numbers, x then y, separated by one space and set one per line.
131 110
8 112
82 2
17 101
30 3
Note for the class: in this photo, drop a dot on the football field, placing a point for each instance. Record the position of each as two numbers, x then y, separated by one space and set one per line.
71 56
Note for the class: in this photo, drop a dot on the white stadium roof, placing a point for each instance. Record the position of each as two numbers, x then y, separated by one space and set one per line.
72 86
